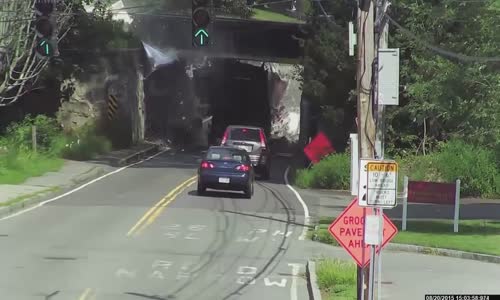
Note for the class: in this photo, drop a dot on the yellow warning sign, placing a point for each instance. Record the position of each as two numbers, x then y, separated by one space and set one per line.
382 167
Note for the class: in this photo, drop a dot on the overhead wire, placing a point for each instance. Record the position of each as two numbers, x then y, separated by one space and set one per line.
446 53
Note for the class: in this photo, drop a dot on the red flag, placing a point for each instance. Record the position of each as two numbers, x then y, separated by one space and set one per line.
318 148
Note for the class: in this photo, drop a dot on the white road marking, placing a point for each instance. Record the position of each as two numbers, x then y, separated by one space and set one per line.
246 240
190 236
246 270
125 273
157 274
245 280
281 283
80 187
293 286
165 264
304 205
182 275
288 233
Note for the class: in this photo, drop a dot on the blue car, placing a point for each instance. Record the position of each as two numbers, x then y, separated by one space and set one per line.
226 168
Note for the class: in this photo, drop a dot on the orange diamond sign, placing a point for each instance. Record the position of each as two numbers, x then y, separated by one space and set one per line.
348 230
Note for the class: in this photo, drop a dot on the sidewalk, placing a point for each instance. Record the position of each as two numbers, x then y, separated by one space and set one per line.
411 275
326 203
72 174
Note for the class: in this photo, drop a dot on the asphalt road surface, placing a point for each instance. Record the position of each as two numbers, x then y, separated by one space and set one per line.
143 233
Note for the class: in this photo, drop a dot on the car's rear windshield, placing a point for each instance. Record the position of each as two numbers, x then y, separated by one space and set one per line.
226 154
244 134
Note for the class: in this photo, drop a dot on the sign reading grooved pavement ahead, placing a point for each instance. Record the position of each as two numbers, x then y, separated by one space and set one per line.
348 230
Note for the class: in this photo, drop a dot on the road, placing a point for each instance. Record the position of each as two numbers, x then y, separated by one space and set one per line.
143 233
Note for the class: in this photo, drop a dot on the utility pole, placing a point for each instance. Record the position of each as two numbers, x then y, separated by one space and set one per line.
381 42
366 124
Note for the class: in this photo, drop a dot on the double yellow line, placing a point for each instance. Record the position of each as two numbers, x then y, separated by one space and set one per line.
156 210
88 294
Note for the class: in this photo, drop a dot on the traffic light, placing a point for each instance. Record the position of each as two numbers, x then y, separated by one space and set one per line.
45 28
201 20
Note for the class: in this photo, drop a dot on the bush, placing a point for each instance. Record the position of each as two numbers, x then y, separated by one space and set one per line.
18 135
83 145
332 172
18 161
476 167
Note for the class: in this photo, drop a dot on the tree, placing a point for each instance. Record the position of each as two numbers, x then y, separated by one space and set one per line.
19 66
446 97
329 73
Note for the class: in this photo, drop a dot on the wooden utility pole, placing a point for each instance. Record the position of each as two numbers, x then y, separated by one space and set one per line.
366 124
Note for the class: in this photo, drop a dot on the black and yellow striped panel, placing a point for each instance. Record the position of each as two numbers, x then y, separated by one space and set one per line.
112 106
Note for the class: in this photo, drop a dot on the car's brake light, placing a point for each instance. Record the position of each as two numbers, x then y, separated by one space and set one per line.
244 168
207 165
262 139
224 138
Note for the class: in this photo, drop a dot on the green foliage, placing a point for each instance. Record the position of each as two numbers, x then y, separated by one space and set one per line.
337 278
18 161
332 172
475 166
445 97
18 165
19 135
328 76
85 144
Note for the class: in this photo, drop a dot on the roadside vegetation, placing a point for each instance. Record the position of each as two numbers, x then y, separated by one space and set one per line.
478 236
477 168
19 161
336 279
265 15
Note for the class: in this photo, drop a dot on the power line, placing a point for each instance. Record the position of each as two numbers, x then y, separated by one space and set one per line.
441 51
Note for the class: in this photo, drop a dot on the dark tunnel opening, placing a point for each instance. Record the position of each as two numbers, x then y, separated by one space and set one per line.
231 92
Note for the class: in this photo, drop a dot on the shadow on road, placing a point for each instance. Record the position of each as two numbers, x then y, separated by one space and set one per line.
218 194
267 218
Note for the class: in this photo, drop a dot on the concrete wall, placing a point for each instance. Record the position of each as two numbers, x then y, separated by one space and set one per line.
89 93
284 96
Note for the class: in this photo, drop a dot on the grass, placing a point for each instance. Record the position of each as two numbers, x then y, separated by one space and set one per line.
479 236
16 169
29 196
336 279
264 15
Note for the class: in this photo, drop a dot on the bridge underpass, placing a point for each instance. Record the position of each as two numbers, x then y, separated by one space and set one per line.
215 81
229 92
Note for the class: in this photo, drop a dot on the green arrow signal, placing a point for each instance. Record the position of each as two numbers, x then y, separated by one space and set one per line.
201 33
45 47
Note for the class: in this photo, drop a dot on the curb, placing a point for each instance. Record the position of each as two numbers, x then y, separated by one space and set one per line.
444 252
312 281
78 180
435 251
138 155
